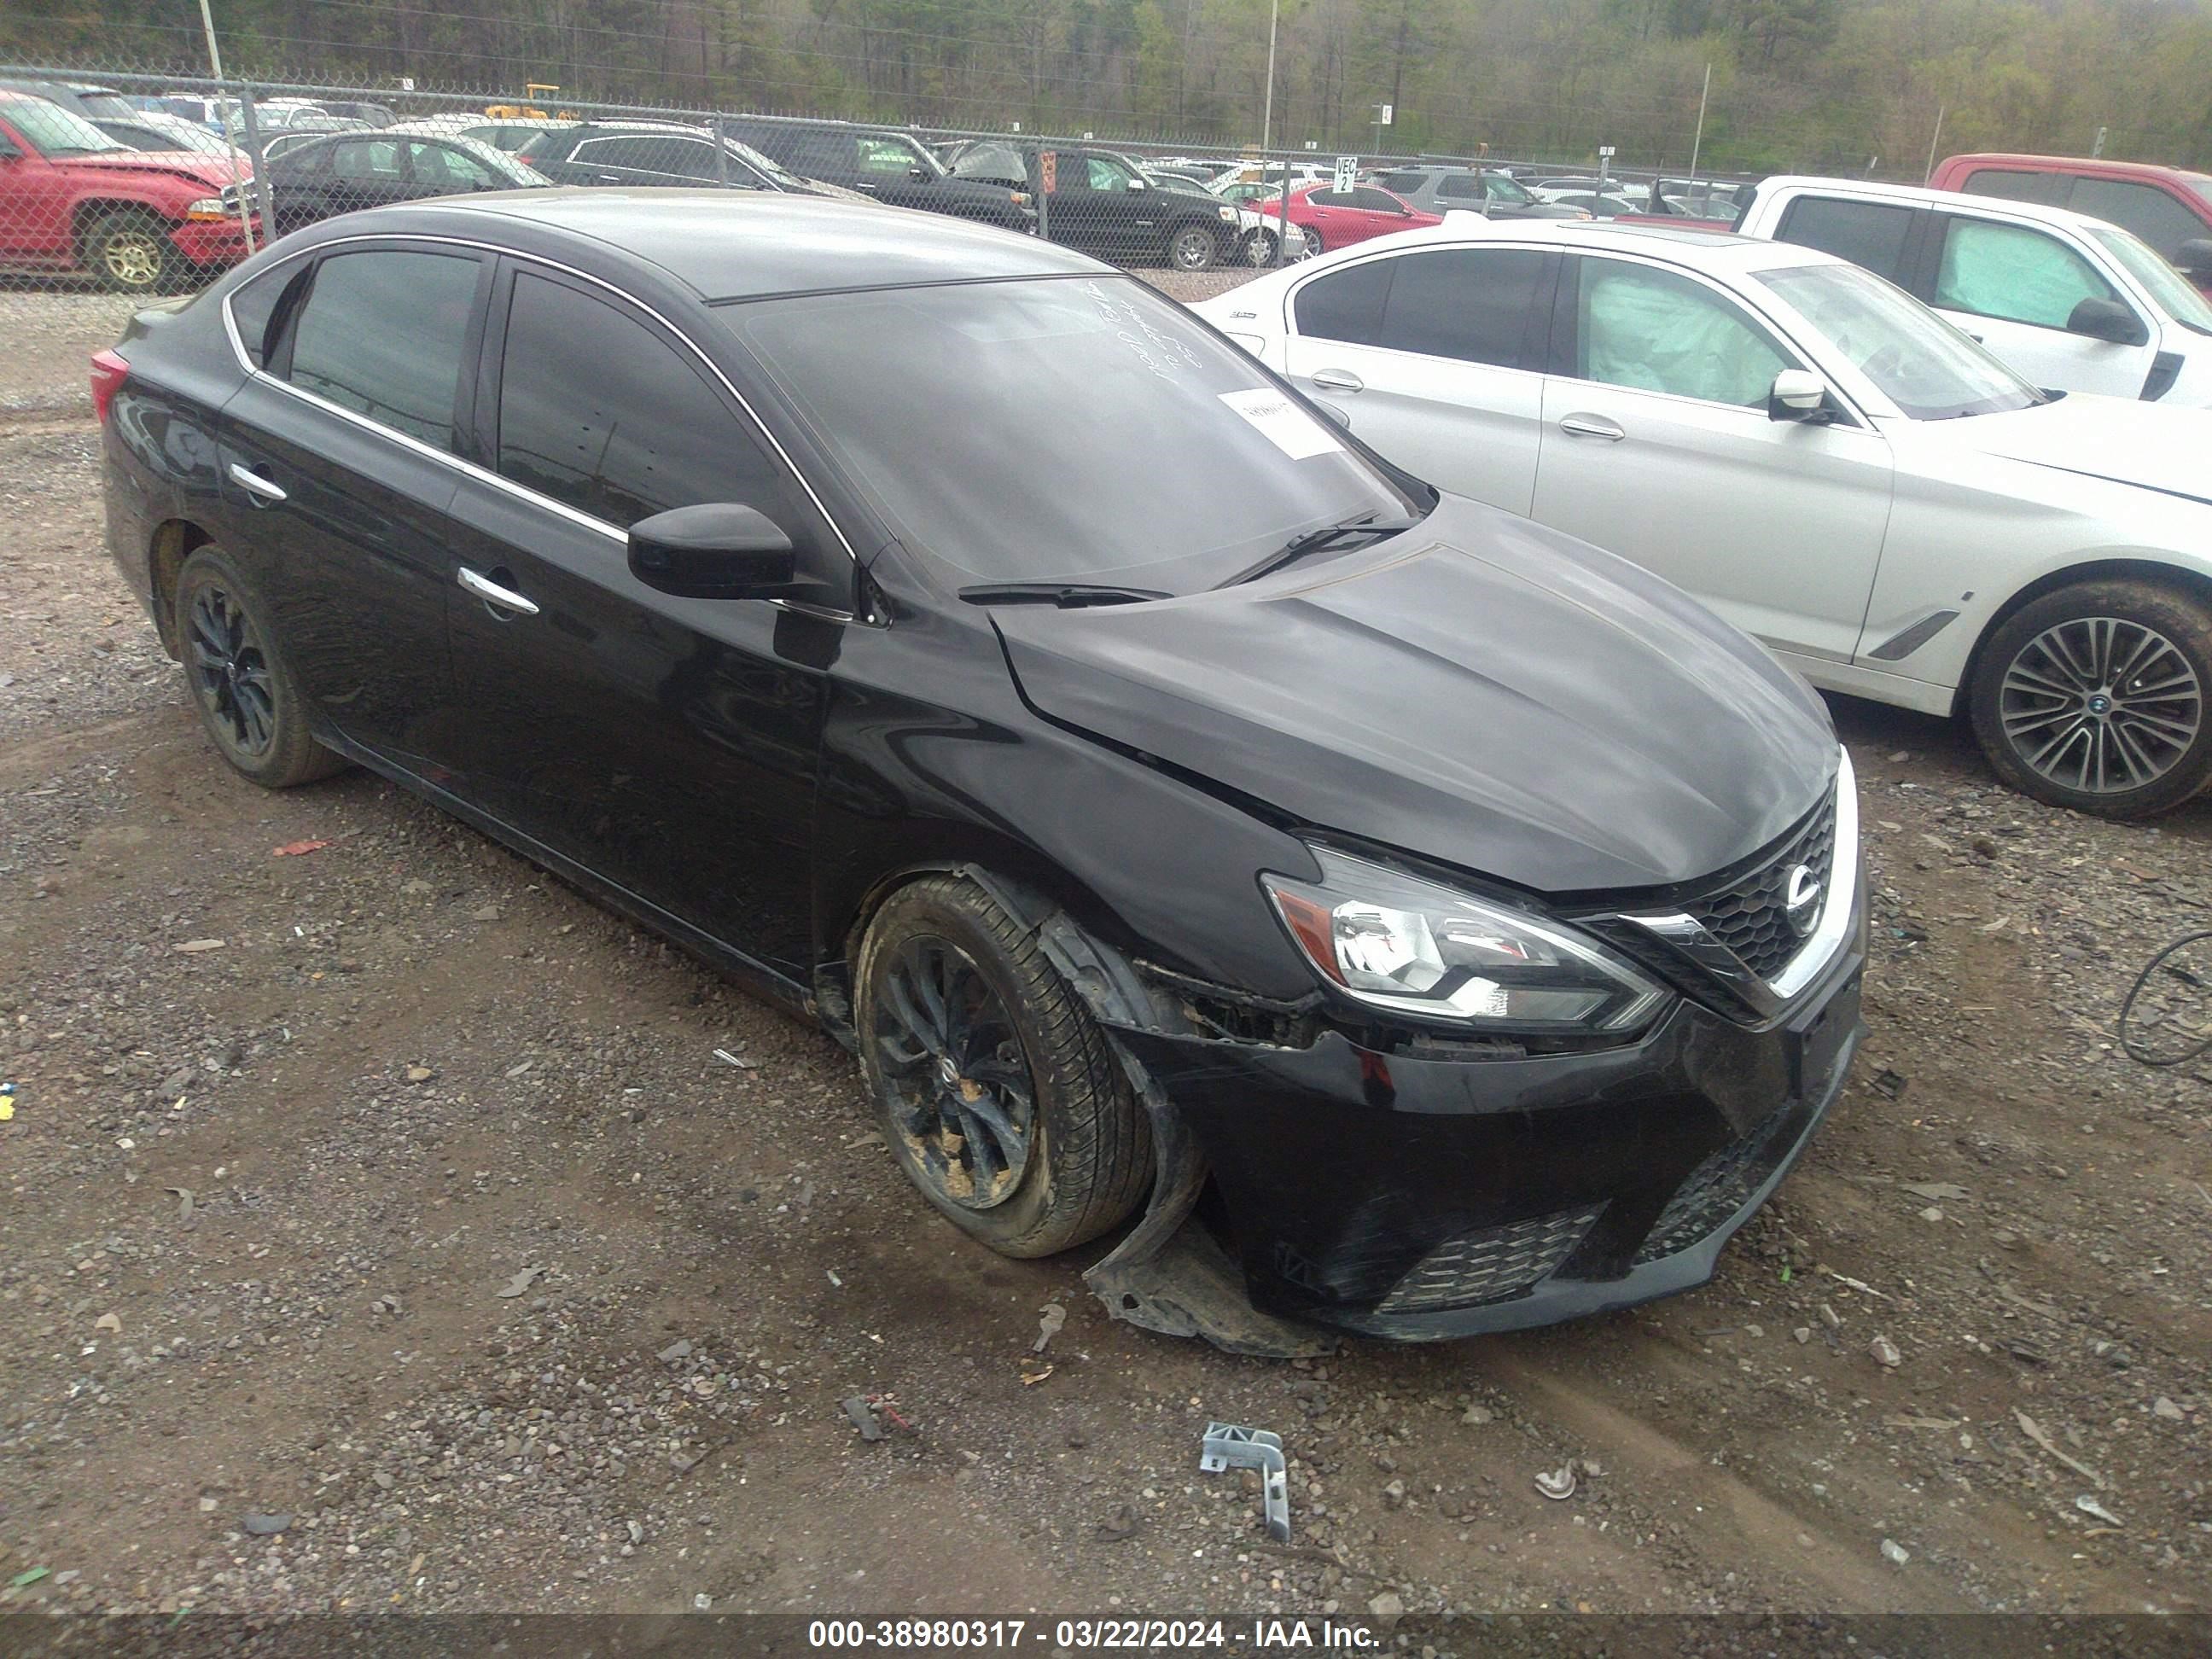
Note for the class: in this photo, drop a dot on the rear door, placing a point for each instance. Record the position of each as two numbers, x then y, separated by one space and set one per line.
1657 446
2014 286
1436 356
337 463
666 745
1885 237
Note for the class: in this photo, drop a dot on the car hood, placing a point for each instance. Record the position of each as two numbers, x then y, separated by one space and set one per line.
1480 691
213 171
2156 445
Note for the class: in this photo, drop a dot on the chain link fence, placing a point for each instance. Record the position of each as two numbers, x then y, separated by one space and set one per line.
151 184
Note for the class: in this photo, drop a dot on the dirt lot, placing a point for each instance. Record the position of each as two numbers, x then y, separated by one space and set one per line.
510 1295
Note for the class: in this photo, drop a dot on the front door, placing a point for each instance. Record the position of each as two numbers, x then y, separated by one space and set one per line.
2014 287
1096 209
334 467
1435 355
1657 446
666 744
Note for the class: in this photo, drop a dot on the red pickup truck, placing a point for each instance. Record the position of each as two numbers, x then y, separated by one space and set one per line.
2170 208
73 199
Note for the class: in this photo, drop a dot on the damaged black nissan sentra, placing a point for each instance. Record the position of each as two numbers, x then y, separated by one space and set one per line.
1432 924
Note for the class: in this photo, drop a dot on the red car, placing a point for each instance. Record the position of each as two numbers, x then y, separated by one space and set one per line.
1334 218
72 199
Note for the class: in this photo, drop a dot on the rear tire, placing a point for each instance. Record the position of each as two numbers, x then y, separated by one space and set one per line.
996 1090
1315 246
129 250
249 705
2094 697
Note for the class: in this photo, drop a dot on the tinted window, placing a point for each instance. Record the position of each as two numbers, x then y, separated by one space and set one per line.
1001 162
1375 201
444 168
383 159
254 306
2013 274
644 154
1461 187
600 413
2048 188
382 333
1347 305
1869 233
1658 331
1406 181
1471 305
2146 210
1099 172
1330 198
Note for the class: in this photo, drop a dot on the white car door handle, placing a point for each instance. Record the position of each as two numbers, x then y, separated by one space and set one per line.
255 485
1592 426
492 593
1337 379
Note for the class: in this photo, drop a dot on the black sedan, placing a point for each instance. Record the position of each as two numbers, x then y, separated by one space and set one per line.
307 183
663 155
966 647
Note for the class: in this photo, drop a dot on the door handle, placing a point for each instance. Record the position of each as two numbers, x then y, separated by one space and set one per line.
259 489
1592 426
492 593
1337 379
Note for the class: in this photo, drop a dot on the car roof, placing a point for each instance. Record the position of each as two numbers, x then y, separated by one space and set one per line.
1715 250
746 245
1995 207
2074 164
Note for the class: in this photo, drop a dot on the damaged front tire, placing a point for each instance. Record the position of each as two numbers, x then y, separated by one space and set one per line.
994 1088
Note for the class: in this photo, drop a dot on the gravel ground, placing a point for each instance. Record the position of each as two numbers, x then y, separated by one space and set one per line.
410 1247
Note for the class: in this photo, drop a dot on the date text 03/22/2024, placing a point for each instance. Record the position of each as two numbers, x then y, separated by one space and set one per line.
1080 1635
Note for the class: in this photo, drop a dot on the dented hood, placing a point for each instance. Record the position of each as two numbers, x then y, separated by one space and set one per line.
213 171
2153 446
1479 690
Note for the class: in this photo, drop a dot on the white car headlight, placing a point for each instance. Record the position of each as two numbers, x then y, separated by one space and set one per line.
1395 941
1228 214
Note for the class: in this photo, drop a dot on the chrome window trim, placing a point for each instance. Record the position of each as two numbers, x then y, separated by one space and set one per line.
1689 935
469 469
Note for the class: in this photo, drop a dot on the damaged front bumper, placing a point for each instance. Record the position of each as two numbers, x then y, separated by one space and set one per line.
1417 1198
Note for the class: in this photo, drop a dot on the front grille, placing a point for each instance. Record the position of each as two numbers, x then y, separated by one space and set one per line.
1490 1264
1748 918
1715 1190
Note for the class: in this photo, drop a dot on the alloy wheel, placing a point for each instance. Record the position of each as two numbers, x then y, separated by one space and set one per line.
962 1092
2100 704
132 258
1262 249
1193 250
230 671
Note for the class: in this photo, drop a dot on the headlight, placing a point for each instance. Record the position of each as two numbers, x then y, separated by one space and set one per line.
1021 198
1228 215
1394 941
211 207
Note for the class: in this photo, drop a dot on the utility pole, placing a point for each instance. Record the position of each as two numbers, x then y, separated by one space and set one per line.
1268 109
247 187
1698 143
1933 142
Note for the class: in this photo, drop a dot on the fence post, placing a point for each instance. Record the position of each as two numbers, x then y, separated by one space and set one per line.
1043 196
252 194
721 152
1283 214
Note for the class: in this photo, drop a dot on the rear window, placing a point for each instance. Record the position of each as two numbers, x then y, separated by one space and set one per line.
381 333
2048 188
1868 233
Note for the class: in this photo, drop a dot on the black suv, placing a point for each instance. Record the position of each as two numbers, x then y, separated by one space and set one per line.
893 168
1099 203
662 153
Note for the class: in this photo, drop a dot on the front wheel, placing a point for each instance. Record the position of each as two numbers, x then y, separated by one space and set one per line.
1259 250
996 1090
2093 696
1195 247
129 252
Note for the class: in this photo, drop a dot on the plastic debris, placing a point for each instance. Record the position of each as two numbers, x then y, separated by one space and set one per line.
1035 1370
108 1321
863 1414
265 1526
1558 1484
1230 1445
1886 1354
1894 1552
2096 1511
186 1196
30 1575
7 1102
292 849
522 1281
738 1060
702 1601
194 946
2034 1431
1889 1084
1053 1317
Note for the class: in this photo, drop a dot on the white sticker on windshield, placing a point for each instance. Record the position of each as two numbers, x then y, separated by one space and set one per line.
1282 422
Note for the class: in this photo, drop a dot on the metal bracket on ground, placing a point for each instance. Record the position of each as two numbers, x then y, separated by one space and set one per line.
1231 1446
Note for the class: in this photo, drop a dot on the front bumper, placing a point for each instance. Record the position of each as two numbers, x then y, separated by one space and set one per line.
210 241
1418 1198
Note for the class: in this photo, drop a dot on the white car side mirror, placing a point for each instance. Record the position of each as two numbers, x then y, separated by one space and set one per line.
1798 394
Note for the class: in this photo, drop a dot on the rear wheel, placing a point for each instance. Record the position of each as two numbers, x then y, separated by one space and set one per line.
995 1090
2093 697
129 252
1314 243
1194 247
247 700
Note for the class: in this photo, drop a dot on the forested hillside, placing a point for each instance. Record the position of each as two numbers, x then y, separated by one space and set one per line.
1836 84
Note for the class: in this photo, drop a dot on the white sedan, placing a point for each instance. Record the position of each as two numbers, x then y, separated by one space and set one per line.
1811 452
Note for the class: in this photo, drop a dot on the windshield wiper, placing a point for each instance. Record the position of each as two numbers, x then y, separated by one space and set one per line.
1068 596
1313 541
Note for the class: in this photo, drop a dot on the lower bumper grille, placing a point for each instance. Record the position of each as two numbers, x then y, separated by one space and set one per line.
1715 1190
1489 1265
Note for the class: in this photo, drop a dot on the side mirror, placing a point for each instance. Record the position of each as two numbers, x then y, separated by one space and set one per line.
1797 394
2194 257
10 151
719 550
2109 320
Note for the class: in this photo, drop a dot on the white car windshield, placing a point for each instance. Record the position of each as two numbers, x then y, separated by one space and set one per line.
1929 369
2168 286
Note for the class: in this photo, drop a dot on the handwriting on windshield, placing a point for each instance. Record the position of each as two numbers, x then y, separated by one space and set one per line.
1161 353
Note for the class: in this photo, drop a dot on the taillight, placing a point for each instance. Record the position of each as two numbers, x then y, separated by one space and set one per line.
109 372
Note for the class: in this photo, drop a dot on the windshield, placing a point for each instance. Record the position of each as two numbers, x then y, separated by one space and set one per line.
183 135
775 170
1929 369
1075 429
53 130
1500 187
2173 291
